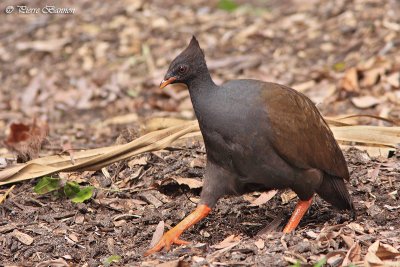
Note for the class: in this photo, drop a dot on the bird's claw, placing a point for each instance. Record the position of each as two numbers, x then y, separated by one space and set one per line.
169 238
172 236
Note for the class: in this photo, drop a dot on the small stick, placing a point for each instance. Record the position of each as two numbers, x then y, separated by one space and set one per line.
3 197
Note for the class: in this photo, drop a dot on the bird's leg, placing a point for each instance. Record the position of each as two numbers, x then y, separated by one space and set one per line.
298 213
172 236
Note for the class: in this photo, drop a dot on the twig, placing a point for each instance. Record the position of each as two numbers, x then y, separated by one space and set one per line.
3 197
221 252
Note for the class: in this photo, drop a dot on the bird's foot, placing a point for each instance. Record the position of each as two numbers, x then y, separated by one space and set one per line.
172 236
169 238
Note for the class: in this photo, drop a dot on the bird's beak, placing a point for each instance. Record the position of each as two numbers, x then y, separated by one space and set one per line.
166 82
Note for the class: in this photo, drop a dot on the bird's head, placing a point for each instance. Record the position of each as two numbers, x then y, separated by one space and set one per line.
189 63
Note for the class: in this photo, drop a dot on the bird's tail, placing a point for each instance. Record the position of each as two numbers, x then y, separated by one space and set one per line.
333 190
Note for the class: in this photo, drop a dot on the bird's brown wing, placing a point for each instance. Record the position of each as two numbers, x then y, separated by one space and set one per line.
300 134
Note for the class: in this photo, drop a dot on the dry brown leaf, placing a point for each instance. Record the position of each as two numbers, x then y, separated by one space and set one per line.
150 198
79 219
291 260
3 162
301 87
311 234
334 258
385 251
198 259
350 81
321 96
391 25
327 235
393 194
379 252
67 257
78 177
365 101
228 241
372 260
106 173
272 226
373 174
43 46
155 124
197 162
373 151
158 233
376 135
353 255
31 92
391 208
249 197
26 140
394 79
371 77
22 237
110 245
125 204
53 263
174 263
7 228
73 237
191 182
138 161
287 196
123 119
356 227
264 198
348 120
67 147
260 244
349 240
119 223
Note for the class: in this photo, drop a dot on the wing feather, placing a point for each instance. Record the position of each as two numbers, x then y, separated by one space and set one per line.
300 134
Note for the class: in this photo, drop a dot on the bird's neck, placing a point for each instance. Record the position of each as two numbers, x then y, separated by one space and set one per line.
202 89
201 84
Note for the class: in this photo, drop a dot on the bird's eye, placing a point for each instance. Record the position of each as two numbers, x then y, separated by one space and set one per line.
182 69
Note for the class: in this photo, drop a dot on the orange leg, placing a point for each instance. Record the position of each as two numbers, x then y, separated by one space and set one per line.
298 213
172 236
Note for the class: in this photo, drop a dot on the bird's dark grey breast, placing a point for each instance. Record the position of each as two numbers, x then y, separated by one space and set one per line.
235 128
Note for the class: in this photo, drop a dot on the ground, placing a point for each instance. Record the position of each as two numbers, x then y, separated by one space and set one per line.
93 77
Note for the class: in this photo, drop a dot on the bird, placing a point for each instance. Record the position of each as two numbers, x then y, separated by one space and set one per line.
258 136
